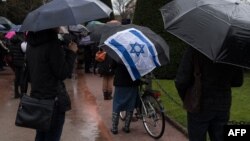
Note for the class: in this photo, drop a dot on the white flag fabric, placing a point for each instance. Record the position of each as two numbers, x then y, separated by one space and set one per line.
136 51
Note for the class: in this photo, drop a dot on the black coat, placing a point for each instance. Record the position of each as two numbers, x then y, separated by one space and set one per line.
217 80
49 64
105 67
122 77
16 51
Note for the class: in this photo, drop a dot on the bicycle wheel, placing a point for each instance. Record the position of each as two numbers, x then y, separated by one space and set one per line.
153 116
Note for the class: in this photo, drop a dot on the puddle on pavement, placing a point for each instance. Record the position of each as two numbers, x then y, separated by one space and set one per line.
84 114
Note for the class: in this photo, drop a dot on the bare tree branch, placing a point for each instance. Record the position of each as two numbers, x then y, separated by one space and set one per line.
121 7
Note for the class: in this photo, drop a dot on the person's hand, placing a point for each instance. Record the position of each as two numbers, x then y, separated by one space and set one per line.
73 46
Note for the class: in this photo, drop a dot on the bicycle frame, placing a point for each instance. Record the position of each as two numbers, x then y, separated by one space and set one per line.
150 111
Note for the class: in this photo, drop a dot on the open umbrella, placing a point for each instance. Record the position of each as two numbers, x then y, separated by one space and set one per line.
2 28
97 30
220 29
64 12
6 23
16 28
93 24
79 29
138 48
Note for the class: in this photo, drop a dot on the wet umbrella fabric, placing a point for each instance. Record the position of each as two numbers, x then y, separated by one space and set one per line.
92 24
220 29
133 48
64 12
97 30
78 28
2 29
16 28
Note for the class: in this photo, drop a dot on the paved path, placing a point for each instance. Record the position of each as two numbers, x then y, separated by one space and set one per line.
89 119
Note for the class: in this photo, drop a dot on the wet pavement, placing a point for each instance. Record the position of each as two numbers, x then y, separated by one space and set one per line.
89 119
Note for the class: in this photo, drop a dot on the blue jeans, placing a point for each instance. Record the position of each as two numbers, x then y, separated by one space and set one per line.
211 122
54 134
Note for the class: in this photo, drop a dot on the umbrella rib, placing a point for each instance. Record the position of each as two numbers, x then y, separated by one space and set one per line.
199 7
72 13
214 16
195 47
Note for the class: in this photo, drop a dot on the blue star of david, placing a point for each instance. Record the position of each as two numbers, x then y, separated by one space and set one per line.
137 49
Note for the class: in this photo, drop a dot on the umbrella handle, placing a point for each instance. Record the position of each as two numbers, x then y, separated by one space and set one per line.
101 45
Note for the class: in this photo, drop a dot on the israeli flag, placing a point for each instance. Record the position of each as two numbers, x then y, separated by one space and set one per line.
136 51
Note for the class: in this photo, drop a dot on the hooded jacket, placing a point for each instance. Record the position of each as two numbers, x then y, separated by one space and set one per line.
49 64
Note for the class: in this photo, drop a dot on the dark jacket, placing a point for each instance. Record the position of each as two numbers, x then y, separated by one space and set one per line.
16 51
122 77
49 64
217 80
105 67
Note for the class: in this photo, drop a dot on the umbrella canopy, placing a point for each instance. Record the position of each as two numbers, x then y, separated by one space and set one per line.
16 28
6 23
138 48
97 30
2 28
93 23
64 12
78 29
220 29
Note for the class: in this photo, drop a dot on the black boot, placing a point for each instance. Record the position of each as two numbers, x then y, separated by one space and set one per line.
115 122
128 118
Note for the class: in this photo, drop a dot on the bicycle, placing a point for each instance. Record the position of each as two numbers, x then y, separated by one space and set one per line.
150 111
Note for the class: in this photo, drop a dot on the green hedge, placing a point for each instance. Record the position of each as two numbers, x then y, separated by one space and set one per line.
147 13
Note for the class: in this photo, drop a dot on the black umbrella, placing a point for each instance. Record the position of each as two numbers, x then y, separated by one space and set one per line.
97 30
220 29
137 47
64 12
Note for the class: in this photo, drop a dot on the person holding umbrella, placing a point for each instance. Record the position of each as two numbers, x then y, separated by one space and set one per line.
215 102
49 63
125 96
136 51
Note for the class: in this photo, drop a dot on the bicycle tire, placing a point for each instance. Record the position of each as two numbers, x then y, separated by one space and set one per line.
152 111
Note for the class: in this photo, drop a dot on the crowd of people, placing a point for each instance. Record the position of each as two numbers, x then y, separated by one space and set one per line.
51 60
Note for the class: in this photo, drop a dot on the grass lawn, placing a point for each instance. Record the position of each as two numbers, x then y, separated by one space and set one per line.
240 110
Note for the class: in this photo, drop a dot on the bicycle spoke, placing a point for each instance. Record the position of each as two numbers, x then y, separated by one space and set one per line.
153 117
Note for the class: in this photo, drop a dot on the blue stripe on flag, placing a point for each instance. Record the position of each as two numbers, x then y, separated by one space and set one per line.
148 44
128 58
